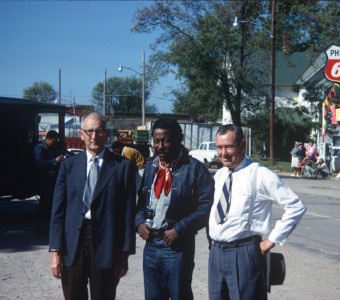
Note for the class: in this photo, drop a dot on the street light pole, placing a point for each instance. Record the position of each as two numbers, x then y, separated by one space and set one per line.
120 69
272 86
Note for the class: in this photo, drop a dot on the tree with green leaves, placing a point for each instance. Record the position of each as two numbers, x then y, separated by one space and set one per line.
40 91
202 45
123 95
216 63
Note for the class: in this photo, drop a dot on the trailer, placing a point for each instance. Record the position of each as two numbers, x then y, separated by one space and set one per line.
19 121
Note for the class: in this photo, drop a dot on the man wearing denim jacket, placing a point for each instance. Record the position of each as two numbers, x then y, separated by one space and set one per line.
175 198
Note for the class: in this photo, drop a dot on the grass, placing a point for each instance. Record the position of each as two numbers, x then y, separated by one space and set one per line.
282 166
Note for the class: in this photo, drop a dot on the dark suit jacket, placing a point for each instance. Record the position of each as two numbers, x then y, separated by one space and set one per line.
112 209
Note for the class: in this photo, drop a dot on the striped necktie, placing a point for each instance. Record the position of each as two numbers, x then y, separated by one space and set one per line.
91 181
222 209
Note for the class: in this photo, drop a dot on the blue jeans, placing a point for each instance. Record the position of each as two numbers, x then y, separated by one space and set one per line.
168 270
237 272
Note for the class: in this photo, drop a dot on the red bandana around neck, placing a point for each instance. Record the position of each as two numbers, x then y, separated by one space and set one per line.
163 179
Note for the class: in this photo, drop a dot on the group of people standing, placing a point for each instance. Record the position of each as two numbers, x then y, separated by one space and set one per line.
95 218
306 163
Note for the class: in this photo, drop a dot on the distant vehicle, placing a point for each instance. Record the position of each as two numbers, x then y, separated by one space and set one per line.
215 163
205 153
75 150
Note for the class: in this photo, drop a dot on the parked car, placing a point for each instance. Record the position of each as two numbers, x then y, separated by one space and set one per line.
205 153
75 150
215 163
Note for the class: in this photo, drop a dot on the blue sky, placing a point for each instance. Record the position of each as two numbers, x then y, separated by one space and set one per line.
81 38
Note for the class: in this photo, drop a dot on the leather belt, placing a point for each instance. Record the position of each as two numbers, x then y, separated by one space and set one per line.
255 238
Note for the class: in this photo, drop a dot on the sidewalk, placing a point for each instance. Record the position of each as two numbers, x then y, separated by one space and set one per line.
334 176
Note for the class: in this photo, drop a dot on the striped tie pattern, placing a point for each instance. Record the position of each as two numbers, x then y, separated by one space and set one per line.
222 209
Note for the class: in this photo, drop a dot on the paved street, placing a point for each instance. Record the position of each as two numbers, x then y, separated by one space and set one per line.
312 252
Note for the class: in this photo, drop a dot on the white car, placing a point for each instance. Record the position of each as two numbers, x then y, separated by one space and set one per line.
75 150
205 153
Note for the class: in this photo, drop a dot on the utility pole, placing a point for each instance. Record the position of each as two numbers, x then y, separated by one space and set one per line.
104 93
272 86
143 90
74 118
59 94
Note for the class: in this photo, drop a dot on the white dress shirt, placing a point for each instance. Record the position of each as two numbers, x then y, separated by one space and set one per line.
100 157
269 189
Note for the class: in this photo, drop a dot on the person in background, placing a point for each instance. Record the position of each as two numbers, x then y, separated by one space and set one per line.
307 164
321 171
47 162
173 204
302 150
311 152
92 225
300 166
295 153
134 155
237 256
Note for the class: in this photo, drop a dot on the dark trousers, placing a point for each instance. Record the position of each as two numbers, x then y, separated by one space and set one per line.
103 282
168 270
237 272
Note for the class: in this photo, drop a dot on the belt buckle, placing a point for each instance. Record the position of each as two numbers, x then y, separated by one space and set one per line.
157 233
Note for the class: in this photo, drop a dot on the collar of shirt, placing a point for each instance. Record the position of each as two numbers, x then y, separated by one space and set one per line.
100 157
244 163
43 143
122 153
155 162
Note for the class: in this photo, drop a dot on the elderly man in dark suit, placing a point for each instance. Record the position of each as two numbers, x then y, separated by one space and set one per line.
92 225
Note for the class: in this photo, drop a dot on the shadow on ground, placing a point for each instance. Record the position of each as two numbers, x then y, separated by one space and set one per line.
17 225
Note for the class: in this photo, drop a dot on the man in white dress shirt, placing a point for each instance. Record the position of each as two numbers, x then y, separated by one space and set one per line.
237 256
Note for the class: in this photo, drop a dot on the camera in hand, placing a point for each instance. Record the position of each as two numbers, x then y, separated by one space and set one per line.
149 215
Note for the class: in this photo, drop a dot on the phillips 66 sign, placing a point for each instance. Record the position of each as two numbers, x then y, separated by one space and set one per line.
332 68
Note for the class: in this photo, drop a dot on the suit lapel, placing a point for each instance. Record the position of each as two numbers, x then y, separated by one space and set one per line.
80 172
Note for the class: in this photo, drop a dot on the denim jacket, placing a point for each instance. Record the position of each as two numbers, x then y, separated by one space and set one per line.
192 194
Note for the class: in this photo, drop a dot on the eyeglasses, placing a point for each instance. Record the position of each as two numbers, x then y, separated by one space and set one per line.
90 132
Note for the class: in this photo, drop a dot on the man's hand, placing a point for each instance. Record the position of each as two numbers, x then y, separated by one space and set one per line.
144 231
170 236
56 264
266 245
122 267
59 159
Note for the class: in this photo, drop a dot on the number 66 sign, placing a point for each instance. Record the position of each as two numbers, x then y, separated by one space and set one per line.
332 68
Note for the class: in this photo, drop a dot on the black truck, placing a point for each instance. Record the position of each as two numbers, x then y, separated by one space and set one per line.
19 126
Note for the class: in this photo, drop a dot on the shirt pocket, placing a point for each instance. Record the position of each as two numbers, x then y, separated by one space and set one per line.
181 203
